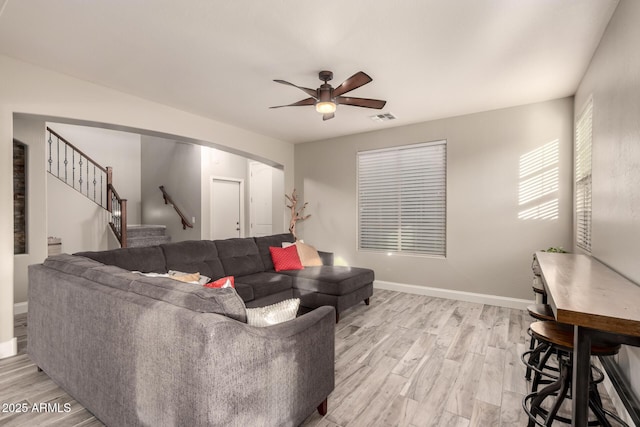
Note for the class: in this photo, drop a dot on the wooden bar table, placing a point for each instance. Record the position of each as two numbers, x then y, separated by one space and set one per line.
599 303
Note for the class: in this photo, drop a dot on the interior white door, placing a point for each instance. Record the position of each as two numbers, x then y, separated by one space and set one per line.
225 209
261 209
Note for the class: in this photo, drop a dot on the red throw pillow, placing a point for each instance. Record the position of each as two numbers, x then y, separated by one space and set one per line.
285 258
224 282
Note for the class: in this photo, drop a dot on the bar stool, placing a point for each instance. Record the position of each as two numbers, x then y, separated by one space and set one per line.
559 337
538 289
539 312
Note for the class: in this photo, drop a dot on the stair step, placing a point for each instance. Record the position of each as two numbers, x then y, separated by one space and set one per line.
138 242
146 230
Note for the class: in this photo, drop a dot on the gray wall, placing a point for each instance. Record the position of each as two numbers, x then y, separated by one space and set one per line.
613 79
489 245
176 165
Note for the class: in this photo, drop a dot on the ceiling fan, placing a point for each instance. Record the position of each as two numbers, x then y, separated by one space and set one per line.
326 98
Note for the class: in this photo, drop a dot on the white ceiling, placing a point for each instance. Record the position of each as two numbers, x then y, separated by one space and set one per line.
428 58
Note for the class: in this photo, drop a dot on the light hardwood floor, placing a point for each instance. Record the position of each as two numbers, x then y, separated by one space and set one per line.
405 360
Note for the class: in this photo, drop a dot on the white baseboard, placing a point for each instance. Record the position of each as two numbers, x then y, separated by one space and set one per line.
508 302
20 307
9 348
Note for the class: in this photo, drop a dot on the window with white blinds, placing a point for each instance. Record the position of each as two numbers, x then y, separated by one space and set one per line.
402 199
583 177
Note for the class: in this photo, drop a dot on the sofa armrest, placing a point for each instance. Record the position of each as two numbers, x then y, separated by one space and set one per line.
326 257
277 374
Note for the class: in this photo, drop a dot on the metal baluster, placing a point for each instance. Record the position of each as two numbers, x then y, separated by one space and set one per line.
73 172
117 214
66 162
101 195
87 179
50 159
58 157
94 182
80 180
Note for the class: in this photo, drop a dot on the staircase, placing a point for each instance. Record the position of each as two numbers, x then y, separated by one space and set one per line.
146 235
76 169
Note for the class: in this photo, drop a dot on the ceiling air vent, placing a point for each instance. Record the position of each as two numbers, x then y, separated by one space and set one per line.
383 117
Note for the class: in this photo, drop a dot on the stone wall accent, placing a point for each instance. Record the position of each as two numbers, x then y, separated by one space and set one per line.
19 197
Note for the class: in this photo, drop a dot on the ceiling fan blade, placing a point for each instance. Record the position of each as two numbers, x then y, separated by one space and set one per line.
328 116
378 104
307 101
310 92
358 79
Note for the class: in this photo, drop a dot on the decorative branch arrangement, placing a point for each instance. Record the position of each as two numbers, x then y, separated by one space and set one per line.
296 214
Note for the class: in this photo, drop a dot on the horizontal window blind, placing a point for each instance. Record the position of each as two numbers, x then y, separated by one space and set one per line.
402 199
583 177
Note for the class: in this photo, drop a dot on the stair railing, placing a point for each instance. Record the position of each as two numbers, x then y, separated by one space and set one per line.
118 209
169 201
80 172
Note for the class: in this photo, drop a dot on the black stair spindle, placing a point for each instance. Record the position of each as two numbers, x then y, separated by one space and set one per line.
66 162
80 180
50 159
58 157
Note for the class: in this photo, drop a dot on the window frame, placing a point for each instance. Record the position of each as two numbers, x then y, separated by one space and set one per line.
583 177
442 193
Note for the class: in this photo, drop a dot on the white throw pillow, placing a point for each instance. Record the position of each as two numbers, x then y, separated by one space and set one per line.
282 311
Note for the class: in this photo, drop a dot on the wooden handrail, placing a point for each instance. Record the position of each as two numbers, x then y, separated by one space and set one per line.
103 169
169 201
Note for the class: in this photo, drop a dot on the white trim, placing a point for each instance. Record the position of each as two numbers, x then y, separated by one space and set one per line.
508 302
9 348
20 307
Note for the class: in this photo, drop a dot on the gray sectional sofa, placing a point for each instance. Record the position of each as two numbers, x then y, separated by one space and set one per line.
140 351
249 261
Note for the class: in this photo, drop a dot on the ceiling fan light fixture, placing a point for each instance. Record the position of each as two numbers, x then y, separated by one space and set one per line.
325 107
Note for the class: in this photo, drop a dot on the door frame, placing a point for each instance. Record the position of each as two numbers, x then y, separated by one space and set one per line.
252 220
214 178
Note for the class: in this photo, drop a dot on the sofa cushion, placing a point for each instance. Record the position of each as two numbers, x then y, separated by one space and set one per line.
273 314
146 259
223 282
309 256
265 283
285 258
264 243
239 257
193 297
332 280
194 256
245 291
